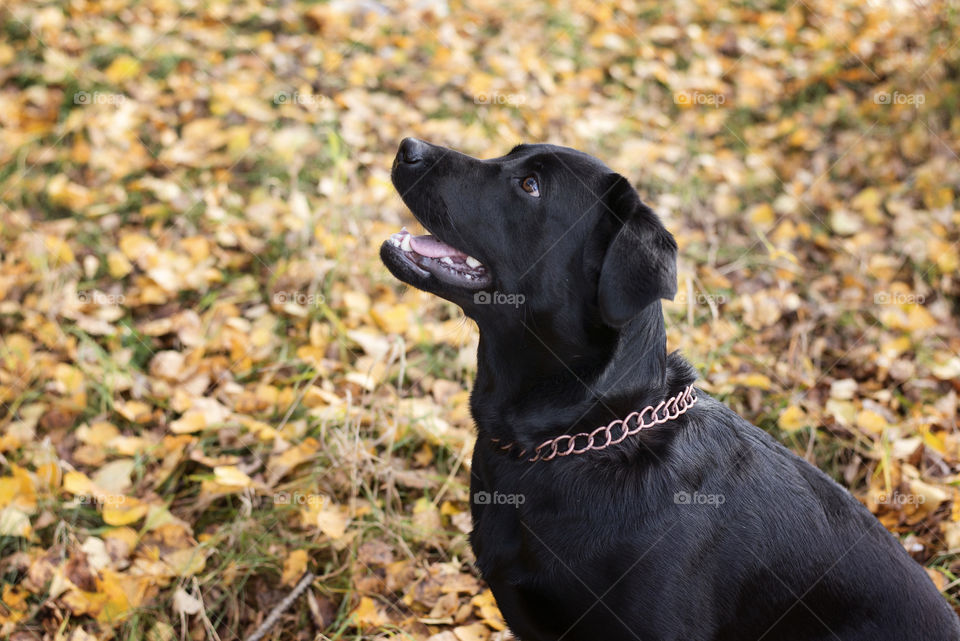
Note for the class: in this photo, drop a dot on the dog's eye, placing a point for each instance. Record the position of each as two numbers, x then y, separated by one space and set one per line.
531 186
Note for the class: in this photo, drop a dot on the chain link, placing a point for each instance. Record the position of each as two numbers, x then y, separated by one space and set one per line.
567 444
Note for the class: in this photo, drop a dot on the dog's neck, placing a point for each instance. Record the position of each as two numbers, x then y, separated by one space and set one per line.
518 372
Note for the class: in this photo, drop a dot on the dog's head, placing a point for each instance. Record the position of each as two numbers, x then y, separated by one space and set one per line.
543 231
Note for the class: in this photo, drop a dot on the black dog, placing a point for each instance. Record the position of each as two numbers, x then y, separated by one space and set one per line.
687 523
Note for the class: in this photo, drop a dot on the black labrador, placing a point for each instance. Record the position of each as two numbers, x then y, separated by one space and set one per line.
611 500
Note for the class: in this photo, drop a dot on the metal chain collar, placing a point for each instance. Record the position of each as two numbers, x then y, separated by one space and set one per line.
602 437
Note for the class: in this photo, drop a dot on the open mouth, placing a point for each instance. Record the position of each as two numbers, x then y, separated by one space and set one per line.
428 255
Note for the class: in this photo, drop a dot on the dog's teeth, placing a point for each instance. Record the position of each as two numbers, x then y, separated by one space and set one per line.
446 260
473 262
405 243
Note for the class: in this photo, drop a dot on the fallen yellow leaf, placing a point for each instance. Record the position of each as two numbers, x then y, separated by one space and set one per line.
231 476
294 567
123 511
134 411
367 615
15 601
472 632
15 522
122 68
871 422
792 419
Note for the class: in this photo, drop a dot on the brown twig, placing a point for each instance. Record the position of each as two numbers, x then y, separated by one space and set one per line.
282 607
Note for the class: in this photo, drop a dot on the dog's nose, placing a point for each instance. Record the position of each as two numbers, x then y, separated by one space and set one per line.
411 151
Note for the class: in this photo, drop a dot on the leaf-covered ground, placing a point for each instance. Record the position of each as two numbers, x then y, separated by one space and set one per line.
209 385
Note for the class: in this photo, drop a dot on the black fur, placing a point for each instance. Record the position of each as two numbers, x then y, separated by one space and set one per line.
603 547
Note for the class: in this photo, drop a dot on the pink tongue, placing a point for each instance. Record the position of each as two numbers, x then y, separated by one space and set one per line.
430 247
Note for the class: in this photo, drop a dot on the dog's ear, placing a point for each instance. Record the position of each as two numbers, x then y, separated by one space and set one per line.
640 263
